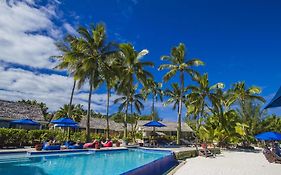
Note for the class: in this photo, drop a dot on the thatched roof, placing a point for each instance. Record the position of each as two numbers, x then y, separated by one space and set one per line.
170 126
17 110
100 123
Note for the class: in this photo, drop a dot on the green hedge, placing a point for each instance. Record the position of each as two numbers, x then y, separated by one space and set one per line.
20 137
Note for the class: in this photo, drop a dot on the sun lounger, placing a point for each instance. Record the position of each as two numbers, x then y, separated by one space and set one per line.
271 157
108 144
51 147
206 153
72 145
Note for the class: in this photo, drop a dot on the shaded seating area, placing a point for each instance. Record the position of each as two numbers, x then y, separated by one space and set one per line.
271 157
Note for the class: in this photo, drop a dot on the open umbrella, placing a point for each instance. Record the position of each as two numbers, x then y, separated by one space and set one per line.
276 101
25 122
154 124
65 122
269 136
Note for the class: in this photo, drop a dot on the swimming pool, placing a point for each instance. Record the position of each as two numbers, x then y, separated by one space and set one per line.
128 161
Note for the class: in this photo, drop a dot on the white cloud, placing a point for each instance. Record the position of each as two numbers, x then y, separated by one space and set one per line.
21 33
69 29
54 90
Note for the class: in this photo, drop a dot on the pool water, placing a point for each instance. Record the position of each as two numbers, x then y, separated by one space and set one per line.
87 163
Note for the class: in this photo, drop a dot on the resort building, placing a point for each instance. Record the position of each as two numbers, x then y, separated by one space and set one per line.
98 125
170 129
16 110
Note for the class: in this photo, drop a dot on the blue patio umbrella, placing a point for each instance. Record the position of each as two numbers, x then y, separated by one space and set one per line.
269 136
25 122
154 124
65 122
276 101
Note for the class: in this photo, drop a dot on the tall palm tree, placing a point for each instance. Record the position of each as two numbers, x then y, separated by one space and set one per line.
133 100
155 89
110 76
94 50
178 63
174 96
132 69
68 60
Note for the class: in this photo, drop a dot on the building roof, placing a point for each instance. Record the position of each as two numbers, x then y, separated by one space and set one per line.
100 123
17 110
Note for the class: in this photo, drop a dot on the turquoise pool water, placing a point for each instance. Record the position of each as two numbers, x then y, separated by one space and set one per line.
86 163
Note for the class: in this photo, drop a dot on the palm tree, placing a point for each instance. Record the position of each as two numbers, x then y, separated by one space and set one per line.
179 64
93 50
110 74
132 71
155 89
133 100
77 112
68 60
197 100
244 94
174 96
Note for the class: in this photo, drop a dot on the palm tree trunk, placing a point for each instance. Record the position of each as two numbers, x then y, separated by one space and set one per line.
153 111
125 121
89 112
180 108
107 113
71 98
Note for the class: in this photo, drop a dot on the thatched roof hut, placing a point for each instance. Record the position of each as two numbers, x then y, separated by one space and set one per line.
17 110
100 123
170 126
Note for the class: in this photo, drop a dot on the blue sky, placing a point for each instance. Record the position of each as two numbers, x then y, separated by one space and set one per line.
238 41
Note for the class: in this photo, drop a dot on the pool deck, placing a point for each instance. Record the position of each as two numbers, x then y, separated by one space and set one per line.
173 149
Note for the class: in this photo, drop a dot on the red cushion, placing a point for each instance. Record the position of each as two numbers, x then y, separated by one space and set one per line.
108 144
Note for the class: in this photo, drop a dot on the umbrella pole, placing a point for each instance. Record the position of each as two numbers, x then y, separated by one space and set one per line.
68 133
